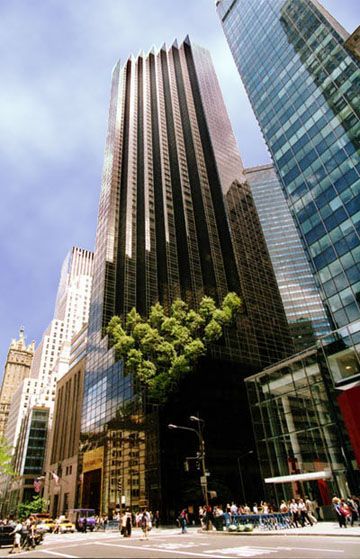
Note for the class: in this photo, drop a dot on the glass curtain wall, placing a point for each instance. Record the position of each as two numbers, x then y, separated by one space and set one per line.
298 428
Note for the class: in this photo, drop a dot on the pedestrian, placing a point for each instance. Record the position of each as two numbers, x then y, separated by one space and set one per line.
310 509
30 541
57 525
183 519
157 519
353 509
202 516
209 517
283 507
145 523
304 516
17 538
293 508
345 510
339 513
228 517
128 523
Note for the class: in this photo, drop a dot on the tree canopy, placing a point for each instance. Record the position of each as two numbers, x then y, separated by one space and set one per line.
38 504
161 349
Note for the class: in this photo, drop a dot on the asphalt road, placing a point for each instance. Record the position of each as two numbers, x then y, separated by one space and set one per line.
172 544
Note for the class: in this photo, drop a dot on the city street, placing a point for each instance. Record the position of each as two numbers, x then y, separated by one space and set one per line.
170 543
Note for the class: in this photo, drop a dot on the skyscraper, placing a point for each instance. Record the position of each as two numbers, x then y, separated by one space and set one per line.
303 85
302 303
176 219
71 313
17 368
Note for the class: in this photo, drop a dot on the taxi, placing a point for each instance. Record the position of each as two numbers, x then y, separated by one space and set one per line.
46 525
66 526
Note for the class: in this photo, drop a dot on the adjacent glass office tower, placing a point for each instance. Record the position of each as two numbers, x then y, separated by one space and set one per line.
298 428
176 219
302 303
304 86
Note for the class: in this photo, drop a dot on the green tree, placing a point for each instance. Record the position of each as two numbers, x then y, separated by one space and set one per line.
5 459
38 504
160 350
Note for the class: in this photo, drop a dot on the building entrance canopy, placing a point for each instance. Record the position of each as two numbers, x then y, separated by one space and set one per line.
324 474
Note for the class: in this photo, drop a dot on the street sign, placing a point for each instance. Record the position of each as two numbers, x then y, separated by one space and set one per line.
203 480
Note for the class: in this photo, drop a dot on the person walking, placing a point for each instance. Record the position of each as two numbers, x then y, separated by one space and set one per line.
17 538
183 519
353 509
128 523
304 517
209 517
30 541
145 523
310 509
157 519
293 508
337 508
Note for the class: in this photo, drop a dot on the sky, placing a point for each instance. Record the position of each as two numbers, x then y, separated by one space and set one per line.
56 62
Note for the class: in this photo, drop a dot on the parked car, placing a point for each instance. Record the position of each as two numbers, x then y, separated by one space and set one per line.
66 526
5 537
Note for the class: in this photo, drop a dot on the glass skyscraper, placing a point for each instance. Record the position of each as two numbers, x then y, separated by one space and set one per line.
176 219
304 87
302 303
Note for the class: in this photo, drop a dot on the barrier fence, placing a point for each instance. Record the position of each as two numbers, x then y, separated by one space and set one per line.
271 521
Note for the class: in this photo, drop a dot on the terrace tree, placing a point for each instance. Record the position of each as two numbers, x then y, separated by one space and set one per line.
163 348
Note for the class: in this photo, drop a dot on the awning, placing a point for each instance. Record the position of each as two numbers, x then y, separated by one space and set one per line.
324 474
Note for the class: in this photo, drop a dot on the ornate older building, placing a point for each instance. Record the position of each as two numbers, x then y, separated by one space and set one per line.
17 368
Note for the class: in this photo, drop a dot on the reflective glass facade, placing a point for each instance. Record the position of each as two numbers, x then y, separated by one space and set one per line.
28 460
304 87
176 219
302 303
299 429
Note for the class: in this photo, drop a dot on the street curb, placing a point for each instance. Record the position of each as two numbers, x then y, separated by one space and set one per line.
278 533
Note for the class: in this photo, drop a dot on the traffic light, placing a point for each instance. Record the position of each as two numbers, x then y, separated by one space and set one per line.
186 466
119 485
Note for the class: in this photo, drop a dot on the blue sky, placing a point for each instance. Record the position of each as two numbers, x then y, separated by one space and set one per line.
56 62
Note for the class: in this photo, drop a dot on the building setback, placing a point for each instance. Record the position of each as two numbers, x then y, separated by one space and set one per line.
71 312
176 219
304 85
302 303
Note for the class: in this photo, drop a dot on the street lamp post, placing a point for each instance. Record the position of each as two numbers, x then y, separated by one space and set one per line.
203 479
240 472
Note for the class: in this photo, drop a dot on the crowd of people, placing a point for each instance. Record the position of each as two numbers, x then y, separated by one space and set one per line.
25 533
143 519
300 512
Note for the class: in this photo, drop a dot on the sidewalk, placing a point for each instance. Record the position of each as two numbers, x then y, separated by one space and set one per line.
319 529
